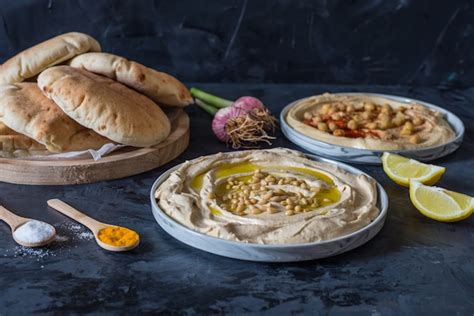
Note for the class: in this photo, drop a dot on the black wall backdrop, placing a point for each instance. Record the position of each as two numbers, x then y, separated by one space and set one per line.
423 42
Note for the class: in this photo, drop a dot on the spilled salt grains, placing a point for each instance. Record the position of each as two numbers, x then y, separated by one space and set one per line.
38 253
78 231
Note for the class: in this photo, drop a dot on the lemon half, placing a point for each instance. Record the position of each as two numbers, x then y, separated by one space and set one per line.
401 170
440 204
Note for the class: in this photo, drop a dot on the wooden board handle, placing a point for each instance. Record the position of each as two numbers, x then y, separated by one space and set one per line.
76 215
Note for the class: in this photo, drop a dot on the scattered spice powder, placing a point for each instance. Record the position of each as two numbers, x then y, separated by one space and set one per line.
118 236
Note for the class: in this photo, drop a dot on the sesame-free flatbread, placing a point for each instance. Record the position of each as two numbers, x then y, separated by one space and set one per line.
13 144
105 106
33 60
24 109
160 87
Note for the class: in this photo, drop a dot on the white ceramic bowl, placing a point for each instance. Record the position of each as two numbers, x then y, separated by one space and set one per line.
272 253
368 156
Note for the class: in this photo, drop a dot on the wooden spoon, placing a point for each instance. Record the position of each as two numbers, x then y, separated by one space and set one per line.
94 225
15 221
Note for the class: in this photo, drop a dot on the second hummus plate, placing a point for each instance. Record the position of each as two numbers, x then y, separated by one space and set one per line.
369 156
268 252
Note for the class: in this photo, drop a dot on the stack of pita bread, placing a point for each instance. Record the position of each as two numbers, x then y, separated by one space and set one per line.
65 95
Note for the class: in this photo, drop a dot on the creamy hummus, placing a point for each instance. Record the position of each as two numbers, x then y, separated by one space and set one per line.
377 123
275 196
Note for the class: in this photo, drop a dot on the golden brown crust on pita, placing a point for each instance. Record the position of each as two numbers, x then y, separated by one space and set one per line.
105 106
33 60
158 86
25 109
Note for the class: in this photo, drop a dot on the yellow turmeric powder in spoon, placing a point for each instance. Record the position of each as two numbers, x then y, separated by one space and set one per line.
118 236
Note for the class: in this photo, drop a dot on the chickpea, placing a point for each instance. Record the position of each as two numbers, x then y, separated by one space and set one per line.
399 119
359 106
332 111
407 129
336 116
323 127
366 115
316 119
371 125
386 108
315 112
325 108
341 107
338 132
418 121
307 115
352 124
350 108
402 109
415 139
385 122
369 106
383 125
332 126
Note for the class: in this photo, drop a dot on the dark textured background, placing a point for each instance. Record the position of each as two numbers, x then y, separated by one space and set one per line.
414 266
339 41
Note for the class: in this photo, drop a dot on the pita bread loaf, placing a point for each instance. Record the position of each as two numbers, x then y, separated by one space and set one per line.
13 144
106 106
25 109
158 86
32 61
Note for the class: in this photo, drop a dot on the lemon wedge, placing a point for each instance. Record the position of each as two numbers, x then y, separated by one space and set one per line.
440 204
401 170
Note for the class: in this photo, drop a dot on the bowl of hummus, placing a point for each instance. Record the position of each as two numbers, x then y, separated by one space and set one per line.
269 205
359 127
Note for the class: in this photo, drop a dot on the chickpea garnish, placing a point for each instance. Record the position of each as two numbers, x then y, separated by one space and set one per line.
369 107
323 127
350 108
332 126
385 123
325 108
352 124
298 208
338 132
386 108
371 125
316 119
336 116
407 129
341 106
415 139
315 189
289 213
307 115
402 109
271 209
366 115
255 211
418 120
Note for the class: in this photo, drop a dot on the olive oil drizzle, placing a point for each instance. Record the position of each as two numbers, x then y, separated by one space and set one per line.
326 196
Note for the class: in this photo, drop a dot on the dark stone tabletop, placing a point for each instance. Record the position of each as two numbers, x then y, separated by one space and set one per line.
413 265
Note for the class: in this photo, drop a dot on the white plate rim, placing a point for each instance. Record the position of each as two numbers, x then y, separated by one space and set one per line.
382 199
459 133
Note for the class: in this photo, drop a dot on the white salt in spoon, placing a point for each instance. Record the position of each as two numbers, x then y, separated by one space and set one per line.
26 231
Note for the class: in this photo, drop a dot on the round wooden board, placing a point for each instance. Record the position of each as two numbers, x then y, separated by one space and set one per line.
119 164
